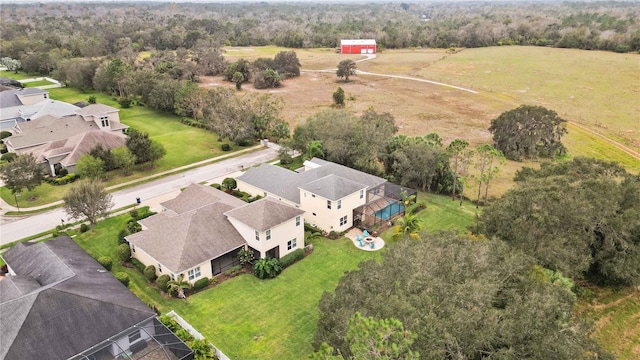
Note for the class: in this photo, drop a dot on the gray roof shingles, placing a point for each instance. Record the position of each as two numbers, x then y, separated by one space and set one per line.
193 231
333 187
286 183
264 213
77 305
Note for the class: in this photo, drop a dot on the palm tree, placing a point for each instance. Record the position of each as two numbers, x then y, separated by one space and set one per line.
314 149
409 224
178 286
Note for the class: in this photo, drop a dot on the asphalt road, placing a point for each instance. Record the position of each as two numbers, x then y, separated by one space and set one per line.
13 229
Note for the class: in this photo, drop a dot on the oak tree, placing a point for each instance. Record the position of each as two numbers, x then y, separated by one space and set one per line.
87 199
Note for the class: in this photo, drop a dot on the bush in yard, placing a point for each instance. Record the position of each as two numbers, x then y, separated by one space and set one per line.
167 320
163 282
216 186
121 235
124 252
134 213
140 266
201 284
84 228
201 349
225 147
123 277
245 256
9 157
133 226
91 99
234 270
291 258
106 261
150 273
4 134
267 268
125 103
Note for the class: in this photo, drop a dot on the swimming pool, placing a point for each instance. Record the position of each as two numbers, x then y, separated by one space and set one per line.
390 211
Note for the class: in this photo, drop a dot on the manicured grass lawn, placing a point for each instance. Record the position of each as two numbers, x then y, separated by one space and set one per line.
34 84
19 76
43 194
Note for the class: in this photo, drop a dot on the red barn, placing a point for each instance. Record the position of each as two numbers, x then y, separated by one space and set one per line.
364 46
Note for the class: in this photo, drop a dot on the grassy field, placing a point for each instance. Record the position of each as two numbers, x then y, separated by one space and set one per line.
251 319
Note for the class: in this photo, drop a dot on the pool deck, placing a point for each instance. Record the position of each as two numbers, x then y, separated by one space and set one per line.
378 242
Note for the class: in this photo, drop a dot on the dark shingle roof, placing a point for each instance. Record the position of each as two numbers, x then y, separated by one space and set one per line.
287 184
76 305
264 213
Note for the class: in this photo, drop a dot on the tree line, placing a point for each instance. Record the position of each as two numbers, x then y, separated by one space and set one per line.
41 35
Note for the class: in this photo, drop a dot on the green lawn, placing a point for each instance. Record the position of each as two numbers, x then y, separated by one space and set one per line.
19 76
34 84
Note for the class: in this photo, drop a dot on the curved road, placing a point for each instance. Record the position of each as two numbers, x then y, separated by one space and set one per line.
13 229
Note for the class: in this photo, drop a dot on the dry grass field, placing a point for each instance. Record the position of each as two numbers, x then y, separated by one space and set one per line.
597 92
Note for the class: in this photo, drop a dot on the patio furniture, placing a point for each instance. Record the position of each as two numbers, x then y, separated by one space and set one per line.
358 237
365 233
361 243
373 245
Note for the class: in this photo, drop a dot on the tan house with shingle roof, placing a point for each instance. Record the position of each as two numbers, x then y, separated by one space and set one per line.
199 233
60 142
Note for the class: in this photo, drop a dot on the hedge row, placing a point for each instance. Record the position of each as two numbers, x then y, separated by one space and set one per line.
291 258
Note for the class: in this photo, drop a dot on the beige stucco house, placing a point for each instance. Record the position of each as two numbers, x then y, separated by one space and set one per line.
333 197
25 105
199 233
58 142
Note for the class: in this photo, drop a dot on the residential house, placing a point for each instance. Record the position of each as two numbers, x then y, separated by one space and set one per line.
58 142
56 302
24 105
334 197
199 233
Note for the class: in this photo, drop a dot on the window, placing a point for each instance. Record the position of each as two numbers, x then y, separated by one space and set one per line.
133 248
297 220
314 214
257 235
105 121
328 204
339 204
194 273
343 220
159 267
134 336
361 193
268 234
291 244
313 195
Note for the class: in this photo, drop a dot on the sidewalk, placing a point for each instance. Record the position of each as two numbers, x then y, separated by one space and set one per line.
4 207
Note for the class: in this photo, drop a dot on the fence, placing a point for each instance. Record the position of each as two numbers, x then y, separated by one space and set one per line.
191 330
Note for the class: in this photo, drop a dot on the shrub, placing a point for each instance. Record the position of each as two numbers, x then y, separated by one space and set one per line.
168 321
5 134
333 235
91 99
3 149
123 277
140 266
125 103
145 213
312 229
133 226
254 198
163 282
291 258
62 172
245 257
266 268
106 261
84 228
216 186
63 179
234 270
150 273
245 143
124 252
225 147
201 284
9 157
121 235
134 213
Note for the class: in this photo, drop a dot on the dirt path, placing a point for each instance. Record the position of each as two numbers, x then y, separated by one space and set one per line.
620 146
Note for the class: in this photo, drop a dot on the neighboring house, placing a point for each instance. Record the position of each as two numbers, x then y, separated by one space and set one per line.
199 233
334 197
24 105
56 302
358 46
59 142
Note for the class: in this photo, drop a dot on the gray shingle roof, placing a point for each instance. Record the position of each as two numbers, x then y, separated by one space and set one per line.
286 184
76 305
264 213
193 231
35 133
9 98
333 187
96 110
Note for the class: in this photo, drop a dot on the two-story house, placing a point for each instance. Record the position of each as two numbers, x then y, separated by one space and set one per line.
24 105
334 197
199 233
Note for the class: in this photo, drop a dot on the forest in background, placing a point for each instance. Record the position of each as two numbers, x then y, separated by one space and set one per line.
50 31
